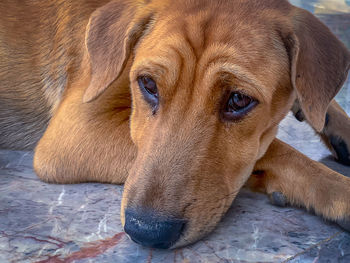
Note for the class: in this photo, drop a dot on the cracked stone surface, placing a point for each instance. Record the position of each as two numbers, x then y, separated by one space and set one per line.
80 223
42 222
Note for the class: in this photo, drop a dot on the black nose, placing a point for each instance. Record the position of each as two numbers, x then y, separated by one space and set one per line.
152 230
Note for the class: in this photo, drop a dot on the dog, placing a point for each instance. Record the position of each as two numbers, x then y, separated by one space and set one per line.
180 100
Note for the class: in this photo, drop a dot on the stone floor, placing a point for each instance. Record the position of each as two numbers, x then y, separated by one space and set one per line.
80 223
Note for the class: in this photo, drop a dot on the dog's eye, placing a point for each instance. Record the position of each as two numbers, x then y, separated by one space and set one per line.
237 106
149 91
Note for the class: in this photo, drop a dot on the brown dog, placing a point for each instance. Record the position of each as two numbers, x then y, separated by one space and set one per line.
196 90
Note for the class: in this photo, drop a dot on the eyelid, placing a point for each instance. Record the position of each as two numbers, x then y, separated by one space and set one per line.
144 73
235 75
229 89
150 68
149 97
239 115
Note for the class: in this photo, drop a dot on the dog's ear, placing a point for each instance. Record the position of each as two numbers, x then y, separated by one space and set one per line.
111 34
319 64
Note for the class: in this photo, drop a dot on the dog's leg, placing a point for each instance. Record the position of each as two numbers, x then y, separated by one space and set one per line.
336 132
88 142
289 177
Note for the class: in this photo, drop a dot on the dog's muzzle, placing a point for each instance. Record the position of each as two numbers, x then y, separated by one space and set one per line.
151 229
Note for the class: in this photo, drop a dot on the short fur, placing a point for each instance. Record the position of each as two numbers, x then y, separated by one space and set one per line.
68 77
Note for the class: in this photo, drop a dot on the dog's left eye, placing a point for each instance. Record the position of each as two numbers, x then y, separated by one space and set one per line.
237 106
149 91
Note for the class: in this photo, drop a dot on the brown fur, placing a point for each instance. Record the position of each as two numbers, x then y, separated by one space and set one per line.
303 181
184 161
41 47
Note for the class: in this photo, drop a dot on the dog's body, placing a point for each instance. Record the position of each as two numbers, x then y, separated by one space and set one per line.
189 151
41 49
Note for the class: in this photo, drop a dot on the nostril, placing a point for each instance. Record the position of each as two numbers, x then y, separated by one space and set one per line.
152 230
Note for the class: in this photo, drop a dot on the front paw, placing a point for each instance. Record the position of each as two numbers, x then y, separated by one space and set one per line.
341 149
336 133
278 199
297 112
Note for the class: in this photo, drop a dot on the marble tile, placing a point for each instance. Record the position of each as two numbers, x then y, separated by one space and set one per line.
334 249
80 223
41 222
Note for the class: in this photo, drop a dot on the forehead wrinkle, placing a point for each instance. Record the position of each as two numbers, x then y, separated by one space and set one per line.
237 72
180 45
196 26
159 67
170 45
220 58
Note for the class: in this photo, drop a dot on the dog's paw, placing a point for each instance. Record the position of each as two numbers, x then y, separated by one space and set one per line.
341 149
344 223
297 112
299 115
278 199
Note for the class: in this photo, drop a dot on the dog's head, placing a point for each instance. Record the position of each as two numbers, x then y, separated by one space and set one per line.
210 81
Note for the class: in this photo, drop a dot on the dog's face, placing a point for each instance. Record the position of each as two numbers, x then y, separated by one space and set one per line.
203 114
210 82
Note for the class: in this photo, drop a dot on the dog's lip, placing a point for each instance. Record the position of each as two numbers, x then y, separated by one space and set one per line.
171 246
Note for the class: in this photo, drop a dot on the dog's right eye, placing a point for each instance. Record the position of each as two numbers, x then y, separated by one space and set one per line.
149 91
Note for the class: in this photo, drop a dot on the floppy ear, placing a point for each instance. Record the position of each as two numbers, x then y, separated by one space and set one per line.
111 34
319 65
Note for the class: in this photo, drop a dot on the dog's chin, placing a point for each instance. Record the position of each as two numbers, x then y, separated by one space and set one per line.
196 231
183 241
191 236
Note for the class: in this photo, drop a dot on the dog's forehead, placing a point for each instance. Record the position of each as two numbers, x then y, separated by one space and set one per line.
215 31
203 22
200 45
187 7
